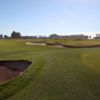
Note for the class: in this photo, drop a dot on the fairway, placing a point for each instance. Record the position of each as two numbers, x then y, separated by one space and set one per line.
55 73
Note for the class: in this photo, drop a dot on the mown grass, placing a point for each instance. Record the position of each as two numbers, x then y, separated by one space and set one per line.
55 73
92 60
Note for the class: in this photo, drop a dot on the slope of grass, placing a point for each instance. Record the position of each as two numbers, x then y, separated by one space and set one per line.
55 73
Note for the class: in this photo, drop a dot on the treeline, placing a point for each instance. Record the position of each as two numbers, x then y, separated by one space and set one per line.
17 35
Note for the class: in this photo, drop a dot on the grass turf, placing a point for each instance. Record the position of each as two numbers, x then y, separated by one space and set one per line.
55 73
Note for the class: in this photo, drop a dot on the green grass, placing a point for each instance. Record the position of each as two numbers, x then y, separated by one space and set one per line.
55 73
92 60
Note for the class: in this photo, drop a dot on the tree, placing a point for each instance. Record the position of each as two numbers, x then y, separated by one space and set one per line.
6 37
1 36
53 36
15 34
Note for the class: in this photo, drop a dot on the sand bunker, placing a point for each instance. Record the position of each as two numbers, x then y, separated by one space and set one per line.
10 69
36 43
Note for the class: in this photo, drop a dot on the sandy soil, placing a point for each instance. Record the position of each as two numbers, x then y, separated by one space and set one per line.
7 74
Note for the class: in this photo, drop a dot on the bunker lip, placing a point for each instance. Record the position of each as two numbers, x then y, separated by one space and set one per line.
73 46
9 69
57 44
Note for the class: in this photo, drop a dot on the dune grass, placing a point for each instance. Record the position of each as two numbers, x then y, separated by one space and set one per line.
55 73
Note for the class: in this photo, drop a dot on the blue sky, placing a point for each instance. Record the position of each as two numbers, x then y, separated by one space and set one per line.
44 17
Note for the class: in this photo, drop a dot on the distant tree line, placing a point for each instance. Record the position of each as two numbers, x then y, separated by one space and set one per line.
3 36
14 34
17 35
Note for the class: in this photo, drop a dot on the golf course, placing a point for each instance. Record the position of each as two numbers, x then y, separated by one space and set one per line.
55 73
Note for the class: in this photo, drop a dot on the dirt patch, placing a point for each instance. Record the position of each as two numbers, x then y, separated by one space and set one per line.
10 69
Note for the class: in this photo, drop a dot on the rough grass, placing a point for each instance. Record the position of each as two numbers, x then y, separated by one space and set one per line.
55 73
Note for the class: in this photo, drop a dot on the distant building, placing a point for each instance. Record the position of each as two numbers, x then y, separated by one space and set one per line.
80 36
29 37
97 36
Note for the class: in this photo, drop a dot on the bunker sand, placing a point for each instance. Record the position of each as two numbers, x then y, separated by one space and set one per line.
11 69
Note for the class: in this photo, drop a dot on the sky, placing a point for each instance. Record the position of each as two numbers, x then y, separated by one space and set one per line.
45 17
